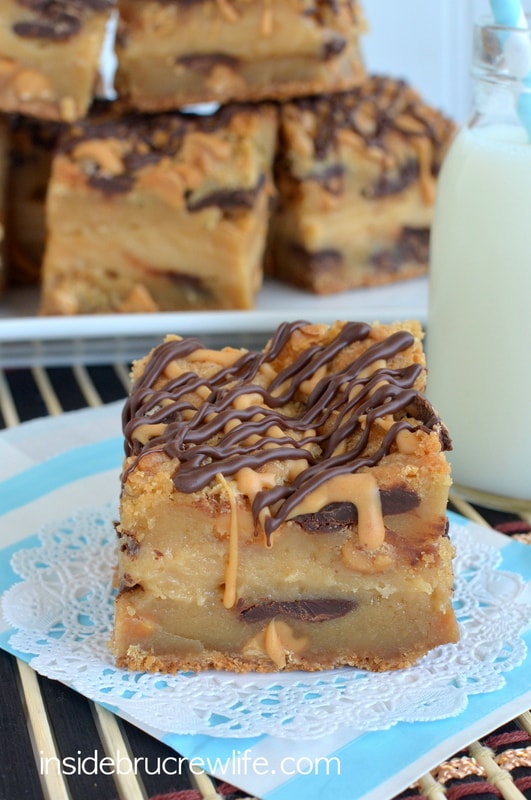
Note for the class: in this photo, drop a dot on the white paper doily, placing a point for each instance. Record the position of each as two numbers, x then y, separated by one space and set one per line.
63 610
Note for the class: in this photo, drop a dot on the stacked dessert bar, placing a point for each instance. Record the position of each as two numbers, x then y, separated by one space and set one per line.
356 176
306 167
161 212
49 55
176 53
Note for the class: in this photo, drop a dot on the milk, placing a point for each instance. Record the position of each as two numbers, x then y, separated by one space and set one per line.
479 324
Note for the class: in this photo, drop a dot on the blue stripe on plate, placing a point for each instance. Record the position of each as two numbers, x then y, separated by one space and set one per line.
81 462
372 758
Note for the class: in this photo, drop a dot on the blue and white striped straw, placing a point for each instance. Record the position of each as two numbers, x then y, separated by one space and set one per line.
510 14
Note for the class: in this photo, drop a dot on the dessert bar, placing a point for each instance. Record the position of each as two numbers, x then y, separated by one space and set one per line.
356 177
159 213
284 509
176 53
50 55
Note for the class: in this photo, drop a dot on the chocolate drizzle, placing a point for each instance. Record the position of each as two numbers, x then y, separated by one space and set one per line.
228 199
146 140
342 406
381 106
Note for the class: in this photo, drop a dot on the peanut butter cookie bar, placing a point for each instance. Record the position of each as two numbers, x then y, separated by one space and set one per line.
284 509
49 55
159 213
356 177
176 52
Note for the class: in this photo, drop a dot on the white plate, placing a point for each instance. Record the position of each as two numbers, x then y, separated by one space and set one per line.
27 338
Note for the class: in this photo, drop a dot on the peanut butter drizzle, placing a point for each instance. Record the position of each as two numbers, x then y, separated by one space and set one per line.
228 10
225 358
279 641
231 570
278 424
273 646
266 21
250 482
362 490
406 441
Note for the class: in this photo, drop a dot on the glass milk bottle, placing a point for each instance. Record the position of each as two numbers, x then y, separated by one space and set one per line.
479 321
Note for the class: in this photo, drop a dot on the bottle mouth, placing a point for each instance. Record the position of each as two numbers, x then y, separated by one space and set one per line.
502 52
487 21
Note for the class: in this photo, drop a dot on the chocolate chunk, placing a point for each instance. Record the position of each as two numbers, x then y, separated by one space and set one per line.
444 436
319 261
135 161
394 183
413 246
332 178
205 63
128 542
130 547
98 5
416 242
422 409
51 7
333 48
228 199
111 184
318 610
59 29
333 517
398 501
127 582
189 284
336 516
57 20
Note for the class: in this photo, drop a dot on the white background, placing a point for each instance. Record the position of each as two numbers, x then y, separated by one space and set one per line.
427 42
